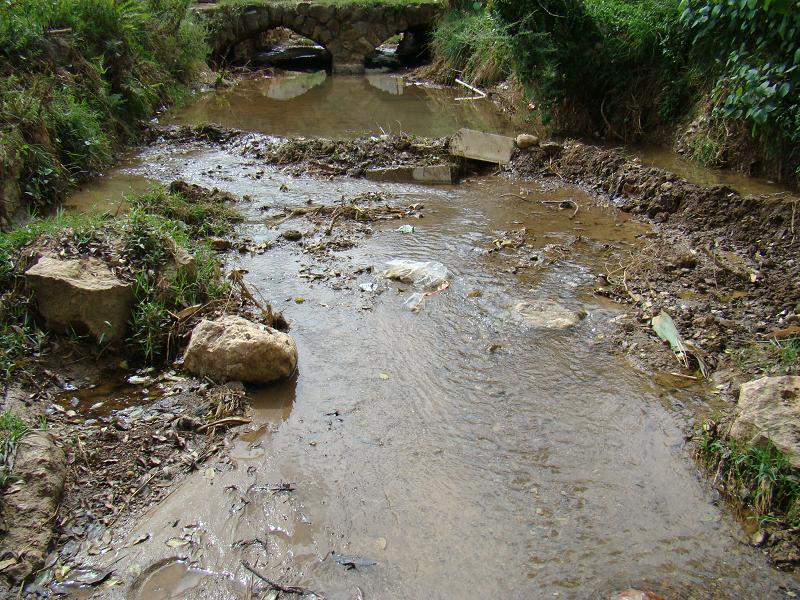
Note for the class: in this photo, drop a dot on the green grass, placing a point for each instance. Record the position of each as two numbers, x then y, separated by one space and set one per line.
761 477
772 357
474 46
68 100
12 430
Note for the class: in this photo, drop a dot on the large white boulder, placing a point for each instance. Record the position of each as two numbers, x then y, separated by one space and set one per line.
83 295
769 408
232 348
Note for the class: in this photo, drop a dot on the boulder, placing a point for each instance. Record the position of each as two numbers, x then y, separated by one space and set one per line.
82 295
769 409
526 140
233 348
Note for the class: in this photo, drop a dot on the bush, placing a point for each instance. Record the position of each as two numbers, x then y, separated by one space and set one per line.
613 65
67 99
755 46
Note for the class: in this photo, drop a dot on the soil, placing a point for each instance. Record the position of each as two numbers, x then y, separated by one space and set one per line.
723 266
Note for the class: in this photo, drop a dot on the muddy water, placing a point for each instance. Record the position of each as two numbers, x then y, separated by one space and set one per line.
315 105
454 452
664 158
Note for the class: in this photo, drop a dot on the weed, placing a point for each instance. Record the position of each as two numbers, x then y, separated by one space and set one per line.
475 46
67 100
12 430
761 476
772 357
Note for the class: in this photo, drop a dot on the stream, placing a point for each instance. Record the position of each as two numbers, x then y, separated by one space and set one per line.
460 451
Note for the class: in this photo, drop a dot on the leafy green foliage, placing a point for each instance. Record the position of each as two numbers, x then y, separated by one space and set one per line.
757 45
66 98
759 475
599 64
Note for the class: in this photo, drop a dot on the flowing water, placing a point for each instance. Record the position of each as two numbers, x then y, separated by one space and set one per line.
460 451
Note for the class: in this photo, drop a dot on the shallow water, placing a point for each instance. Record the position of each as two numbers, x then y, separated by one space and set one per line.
463 452
316 105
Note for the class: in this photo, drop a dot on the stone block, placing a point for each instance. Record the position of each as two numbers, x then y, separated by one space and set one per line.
432 174
486 147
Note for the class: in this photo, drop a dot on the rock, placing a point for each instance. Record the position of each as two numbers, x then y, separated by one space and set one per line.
233 348
486 147
769 409
758 538
29 505
83 295
545 315
179 261
632 594
552 148
526 140
292 235
220 244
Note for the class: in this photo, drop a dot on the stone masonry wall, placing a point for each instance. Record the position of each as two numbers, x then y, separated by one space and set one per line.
349 32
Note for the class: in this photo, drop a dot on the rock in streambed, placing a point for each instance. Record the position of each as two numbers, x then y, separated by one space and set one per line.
769 409
83 295
233 348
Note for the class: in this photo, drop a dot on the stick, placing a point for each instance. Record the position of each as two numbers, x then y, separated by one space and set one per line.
286 589
227 421
469 87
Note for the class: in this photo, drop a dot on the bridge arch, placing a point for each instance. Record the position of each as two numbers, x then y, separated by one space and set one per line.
349 32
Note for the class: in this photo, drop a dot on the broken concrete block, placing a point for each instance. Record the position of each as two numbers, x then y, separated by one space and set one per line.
486 147
433 174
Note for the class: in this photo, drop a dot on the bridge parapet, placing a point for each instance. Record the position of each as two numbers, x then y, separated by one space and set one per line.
350 32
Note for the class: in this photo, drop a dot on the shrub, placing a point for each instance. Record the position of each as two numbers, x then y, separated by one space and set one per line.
756 48
600 64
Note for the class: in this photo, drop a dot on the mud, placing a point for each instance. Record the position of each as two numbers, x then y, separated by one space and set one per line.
30 503
724 266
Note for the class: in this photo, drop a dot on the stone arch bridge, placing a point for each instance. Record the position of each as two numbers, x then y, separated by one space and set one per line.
350 32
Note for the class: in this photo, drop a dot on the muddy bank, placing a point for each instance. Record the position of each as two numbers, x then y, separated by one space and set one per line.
724 266
100 297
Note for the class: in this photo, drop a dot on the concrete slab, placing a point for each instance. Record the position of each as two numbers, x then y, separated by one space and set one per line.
433 174
486 147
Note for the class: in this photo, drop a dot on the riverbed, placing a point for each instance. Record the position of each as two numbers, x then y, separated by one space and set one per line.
459 450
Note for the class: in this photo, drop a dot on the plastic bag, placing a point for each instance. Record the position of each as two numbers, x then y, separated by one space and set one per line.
425 275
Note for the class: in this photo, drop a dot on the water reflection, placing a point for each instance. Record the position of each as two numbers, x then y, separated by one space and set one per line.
292 85
391 84
313 105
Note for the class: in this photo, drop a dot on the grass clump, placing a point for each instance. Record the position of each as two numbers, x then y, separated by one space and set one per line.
473 45
759 476
161 246
770 357
12 430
